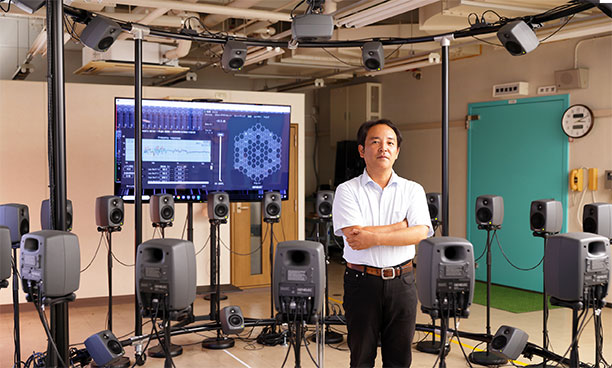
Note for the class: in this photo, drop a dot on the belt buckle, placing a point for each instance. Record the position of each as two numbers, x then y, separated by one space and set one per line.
382 273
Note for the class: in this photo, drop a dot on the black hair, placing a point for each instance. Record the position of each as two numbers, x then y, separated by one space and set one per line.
362 133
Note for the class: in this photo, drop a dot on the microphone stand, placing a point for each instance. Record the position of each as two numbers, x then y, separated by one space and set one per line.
107 231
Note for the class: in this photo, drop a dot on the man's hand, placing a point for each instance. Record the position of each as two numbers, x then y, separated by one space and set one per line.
360 239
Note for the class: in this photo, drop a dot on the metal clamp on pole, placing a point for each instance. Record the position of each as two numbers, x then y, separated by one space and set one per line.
445 39
139 31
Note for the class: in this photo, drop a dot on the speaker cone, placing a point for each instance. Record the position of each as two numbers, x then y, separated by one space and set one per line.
24 227
68 221
115 347
273 209
372 63
590 225
325 208
221 210
484 215
499 342
537 220
235 320
433 211
167 213
236 63
116 216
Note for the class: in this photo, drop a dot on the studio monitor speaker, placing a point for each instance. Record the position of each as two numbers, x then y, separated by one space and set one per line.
104 348
446 266
5 253
53 259
325 201
161 208
232 321
518 38
597 219
166 267
234 55
434 202
489 210
45 215
272 206
575 261
299 272
546 216
100 33
373 55
218 206
16 217
109 211
509 341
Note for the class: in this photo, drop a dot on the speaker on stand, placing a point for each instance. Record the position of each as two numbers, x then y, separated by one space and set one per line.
17 218
324 206
271 208
109 219
161 209
434 203
218 212
489 217
545 220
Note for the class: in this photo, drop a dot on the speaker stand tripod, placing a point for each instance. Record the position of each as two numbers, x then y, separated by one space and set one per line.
331 337
107 231
486 357
219 342
545 236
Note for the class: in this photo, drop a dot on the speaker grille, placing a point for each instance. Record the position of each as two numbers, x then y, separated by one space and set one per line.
484 214
590 225
221 210
167 212
499 342
325 208
372 63
236 63
273 209
24 227
537 220
235 320
114 346
116 216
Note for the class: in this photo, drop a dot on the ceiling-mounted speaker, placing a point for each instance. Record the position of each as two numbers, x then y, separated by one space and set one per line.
373 56
572 78
234 55
29 6
100 33
518 38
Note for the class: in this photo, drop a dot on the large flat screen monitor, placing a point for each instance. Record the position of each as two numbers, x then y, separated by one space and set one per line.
191 148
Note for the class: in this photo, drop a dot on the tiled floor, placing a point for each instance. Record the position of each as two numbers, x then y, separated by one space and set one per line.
84 321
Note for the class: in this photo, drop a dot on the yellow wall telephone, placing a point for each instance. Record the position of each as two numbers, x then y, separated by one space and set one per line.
576 180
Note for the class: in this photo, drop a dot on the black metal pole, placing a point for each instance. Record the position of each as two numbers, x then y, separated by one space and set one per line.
109 264
213 271
137 162
57 121
489 264
190 221
17 353
445 42
544 307
272 272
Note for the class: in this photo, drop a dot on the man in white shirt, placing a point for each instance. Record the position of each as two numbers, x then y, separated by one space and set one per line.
381 218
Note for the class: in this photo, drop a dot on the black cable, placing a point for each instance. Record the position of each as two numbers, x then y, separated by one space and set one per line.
204 246
340 60
294 9
7 9
457 334
244 254
510 262
95 254
484 250
153 318
558 29
43 320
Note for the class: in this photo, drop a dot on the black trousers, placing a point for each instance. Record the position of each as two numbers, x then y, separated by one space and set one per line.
375 307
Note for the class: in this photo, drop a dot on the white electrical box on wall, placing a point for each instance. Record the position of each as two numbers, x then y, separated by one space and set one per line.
511 89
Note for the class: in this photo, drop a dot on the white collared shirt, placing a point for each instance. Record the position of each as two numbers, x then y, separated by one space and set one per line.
361 201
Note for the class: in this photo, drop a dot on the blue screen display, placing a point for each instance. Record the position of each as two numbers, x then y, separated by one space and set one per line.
192 148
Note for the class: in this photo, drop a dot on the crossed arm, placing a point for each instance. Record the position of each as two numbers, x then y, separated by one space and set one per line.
396 234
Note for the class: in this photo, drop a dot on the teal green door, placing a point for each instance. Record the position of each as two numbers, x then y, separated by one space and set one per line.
516 150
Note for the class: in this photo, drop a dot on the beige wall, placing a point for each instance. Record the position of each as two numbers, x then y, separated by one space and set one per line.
89 141
408 101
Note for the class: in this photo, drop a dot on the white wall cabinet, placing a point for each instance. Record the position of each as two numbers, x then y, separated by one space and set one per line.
350 107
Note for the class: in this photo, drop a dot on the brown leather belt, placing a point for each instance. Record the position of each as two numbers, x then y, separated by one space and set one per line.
386 273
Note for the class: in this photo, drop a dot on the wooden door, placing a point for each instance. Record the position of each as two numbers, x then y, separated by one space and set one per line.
250 238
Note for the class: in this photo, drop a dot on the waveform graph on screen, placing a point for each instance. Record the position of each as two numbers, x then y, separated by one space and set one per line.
257 152
165 150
